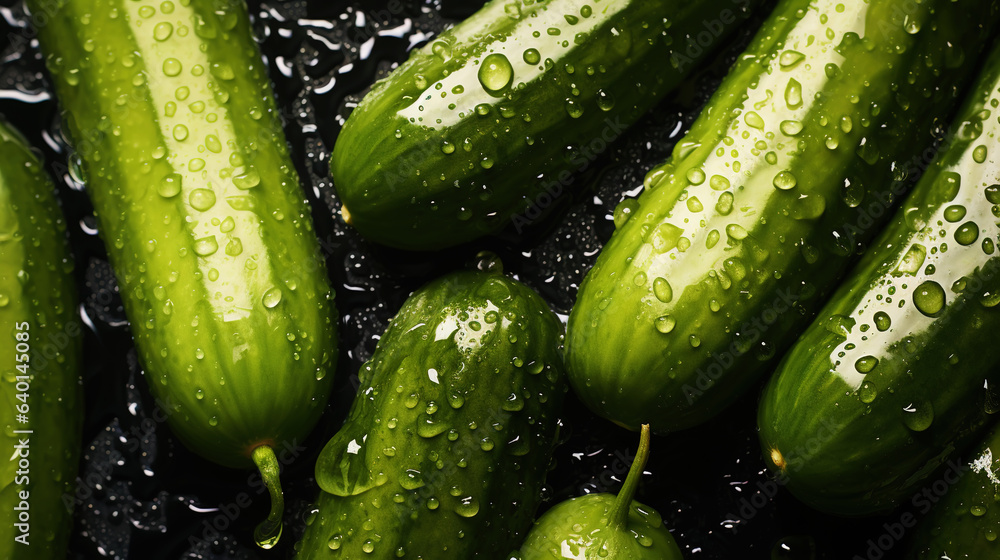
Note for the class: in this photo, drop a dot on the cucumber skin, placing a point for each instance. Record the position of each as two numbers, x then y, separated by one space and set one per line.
114 110
767 286
505 481
48 303
868 459
951 530
406 192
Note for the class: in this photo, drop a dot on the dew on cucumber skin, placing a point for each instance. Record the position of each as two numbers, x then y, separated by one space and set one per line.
954 213
202 199
335 542
929 298
882 321
967 233
495 73
271 298
979 154
172 67
866 364
793 94
789 59
790 127
784 180
163 31
918 416
206 246
247 180
867 392
170 185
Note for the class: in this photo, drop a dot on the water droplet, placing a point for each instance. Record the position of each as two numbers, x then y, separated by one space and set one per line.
206 246
172 67
882 321
467 507
993 194
223 71
929 298
335 542
213 144
967 233
736 232
247 180
866 364
202 199
725 204
867 392
918 416
605 100
846 124
791 127
665 324
574 109
180 133
163 31
718 183
532 56
495 73
662 290
694 340
784 180
696 176
694 205
789 59
170 185
234 247
753 120
272 298
793 94
954 213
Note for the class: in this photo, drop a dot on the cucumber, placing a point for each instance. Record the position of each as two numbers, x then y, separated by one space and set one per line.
169 108
446 447
42 409
483 127
741 234
892 378
599 526
964 524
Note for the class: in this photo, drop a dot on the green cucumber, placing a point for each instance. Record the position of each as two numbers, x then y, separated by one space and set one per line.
893 377
481 128
446 447
42 409
599 526
169 108
965 524
739 236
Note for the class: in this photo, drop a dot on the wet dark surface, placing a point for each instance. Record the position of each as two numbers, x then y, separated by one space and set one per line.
143 496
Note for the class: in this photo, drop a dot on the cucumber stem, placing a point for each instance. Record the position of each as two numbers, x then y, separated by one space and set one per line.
618 518
268 531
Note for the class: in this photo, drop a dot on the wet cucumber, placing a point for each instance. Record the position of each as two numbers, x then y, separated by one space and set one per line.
447 445
965 524
42 338
597 526
482 128
895 374
741 234
169 108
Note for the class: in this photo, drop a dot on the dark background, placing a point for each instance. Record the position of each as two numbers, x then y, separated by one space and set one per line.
146 497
